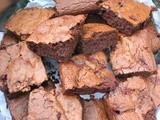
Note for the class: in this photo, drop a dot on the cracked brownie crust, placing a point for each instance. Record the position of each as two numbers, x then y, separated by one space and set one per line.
97 37
127 16
133 56
25 21
86 74
76 6
57 38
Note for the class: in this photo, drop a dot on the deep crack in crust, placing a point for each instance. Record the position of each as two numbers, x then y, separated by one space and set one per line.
135 103
126 15
76 6
58 37
22 68
133 56
86 74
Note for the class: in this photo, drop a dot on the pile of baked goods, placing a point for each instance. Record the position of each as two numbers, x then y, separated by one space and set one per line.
76 33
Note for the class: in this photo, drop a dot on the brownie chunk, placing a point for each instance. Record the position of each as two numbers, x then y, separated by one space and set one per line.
133 56
86 74
76 6
25 21
22 68
153 83
57 38
8 40
131 95
127 16
94 110
19 107
51 105
97 37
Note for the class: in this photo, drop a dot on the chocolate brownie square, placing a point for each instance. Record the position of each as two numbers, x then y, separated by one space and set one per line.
57 38
133 55
131 96
153 83
22 68
19 107
97 37
86 74
94 110
76 6
25 21
48 104
127 16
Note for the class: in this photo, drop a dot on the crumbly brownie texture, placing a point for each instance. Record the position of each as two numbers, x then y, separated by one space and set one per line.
153 83
86 74
127 16
53 106
131 95
7 40
19 107
97 37
57 38
133 56
25 21
22 68
94 110
76 6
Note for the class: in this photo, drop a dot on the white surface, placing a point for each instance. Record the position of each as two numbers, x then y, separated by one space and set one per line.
1 35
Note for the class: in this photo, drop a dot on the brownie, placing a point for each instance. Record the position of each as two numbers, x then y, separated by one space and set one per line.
133 56
76 6
153 83
130 99
25 21
97 37
21 67
86 74
8 40
57 38
127 16
51 105
94 110
19 107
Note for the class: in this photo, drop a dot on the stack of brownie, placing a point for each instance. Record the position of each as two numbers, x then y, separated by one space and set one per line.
77 33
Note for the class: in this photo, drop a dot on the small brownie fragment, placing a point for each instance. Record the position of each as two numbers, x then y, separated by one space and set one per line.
153 83
19 107
25 21
97 37
86 74
76 6
51 105
130 99
133 56
127 16
94 110
22 68
57 38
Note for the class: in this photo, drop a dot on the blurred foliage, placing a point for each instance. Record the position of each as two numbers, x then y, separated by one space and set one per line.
157 3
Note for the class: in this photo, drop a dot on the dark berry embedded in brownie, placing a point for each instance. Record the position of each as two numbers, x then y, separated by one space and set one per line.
57 38
76 6
130 100
21 68
97 37
86 74
94 110
133 55
127 16
25 21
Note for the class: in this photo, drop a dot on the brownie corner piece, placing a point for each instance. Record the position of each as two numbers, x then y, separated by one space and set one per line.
97 37
127 16
76 6
57 38
86 74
